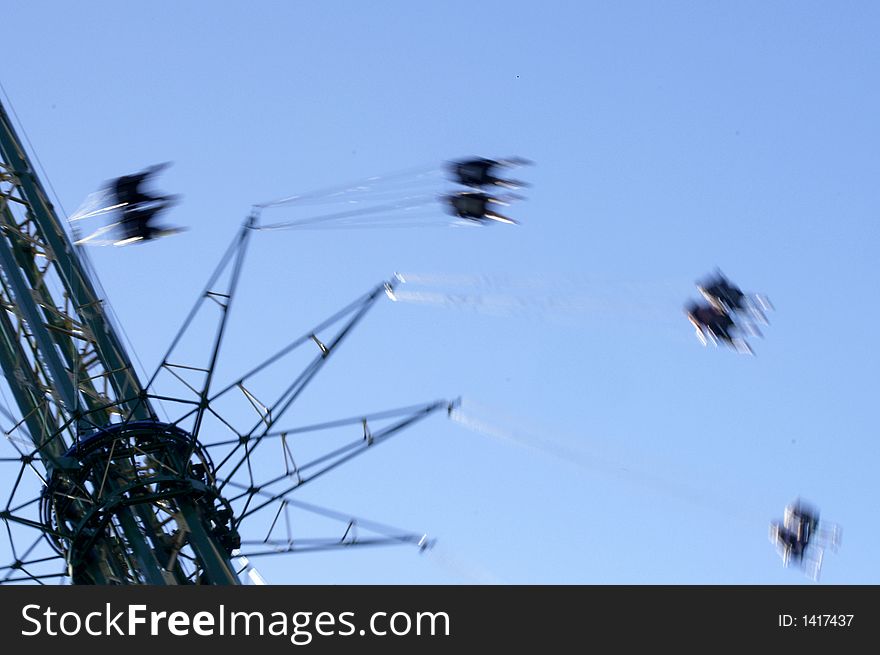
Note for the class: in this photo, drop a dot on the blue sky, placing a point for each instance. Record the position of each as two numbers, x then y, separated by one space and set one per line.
668 139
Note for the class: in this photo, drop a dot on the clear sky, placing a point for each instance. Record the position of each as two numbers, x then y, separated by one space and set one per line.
668 139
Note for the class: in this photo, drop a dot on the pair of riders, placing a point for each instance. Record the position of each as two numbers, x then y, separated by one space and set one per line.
139 208
479 174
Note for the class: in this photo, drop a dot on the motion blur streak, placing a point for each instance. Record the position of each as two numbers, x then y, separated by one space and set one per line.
473 421
550 296
470 572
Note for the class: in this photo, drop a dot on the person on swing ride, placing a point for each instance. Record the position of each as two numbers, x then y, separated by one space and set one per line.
476 206
139 208
715 324
479 172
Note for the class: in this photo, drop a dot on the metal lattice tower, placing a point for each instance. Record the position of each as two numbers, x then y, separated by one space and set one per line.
124 497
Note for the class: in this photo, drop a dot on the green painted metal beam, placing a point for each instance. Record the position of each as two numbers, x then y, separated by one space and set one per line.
78 287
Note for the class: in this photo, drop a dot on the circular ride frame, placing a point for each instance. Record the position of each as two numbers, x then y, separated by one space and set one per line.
123 497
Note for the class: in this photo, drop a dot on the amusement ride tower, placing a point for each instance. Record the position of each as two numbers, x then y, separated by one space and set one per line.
121 496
